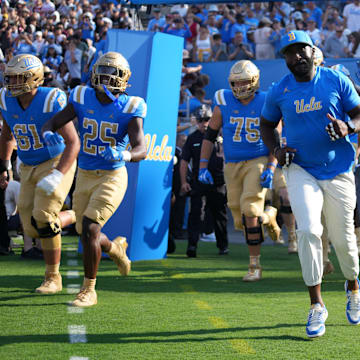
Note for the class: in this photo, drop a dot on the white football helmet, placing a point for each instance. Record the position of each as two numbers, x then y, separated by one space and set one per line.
244 70
318 57
111 70
23 73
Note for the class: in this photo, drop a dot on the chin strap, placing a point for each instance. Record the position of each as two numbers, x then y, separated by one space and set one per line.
109 94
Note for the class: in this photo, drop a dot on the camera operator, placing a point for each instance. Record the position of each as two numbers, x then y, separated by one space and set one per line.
238 50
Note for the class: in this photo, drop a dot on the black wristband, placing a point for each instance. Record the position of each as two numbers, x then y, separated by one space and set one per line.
211 134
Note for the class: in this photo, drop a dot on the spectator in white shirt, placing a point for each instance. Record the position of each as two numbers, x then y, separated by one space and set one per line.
351 13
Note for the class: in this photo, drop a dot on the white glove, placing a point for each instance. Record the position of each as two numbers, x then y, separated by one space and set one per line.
50 182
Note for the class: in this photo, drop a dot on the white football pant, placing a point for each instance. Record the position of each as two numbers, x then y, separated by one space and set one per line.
336 197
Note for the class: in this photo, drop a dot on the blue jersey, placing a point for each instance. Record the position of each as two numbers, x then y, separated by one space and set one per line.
103 125
26 124
241 126
304 106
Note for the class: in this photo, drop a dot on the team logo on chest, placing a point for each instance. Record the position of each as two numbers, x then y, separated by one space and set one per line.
313 105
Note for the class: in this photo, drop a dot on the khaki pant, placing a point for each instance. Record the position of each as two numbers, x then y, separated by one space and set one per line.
245 194
33 201
98 193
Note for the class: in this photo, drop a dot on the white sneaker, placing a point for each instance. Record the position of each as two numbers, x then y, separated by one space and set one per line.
208 237
316 321
352 305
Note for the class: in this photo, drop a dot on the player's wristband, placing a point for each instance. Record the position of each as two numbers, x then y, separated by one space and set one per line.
126 155
204 160
271 164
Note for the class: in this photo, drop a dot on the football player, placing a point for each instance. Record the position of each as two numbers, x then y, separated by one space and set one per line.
237 112
317 163
47 171
107 117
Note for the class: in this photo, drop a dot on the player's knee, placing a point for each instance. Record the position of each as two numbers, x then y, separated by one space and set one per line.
91 228
251 210
254 234
46 229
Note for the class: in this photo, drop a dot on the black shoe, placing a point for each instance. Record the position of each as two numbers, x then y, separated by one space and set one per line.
33 254
171 245
224 251
191 252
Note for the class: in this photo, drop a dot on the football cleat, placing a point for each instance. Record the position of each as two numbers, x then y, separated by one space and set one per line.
111 70
22 74
85 298
352 305
51 284
117 254
315 326
254 274
244 71
272 226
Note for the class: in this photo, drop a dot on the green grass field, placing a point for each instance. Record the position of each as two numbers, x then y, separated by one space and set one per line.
176 308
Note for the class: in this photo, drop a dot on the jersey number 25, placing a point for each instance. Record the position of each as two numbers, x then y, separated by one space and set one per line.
94 132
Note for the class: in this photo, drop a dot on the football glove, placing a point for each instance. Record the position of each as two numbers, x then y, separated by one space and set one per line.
50 182
52 139
266 178
115 154
205 177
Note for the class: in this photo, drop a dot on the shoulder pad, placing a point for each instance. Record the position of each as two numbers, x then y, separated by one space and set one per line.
2 99
50 99
79 94
134 104
220 97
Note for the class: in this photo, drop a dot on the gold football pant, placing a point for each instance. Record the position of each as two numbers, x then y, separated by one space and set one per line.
98 193
34 202
245 194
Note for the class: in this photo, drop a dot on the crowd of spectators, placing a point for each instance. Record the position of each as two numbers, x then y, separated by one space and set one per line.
66 34
241 31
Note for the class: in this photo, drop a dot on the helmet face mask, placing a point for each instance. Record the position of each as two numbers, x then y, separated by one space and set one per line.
22 74
244 79
111 70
